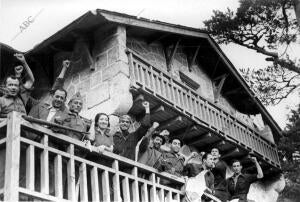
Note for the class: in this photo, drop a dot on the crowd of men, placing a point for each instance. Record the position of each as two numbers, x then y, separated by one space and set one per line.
146 144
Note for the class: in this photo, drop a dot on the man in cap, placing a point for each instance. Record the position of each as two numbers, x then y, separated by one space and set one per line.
124 141
74 120
151 153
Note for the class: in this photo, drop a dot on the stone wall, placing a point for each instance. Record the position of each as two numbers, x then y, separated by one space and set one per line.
106 88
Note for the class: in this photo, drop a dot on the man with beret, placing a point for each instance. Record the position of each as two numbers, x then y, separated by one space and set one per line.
74 120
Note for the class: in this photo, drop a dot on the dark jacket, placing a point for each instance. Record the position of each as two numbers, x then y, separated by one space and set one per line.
41 111
172 163
125 142
242 186
149 155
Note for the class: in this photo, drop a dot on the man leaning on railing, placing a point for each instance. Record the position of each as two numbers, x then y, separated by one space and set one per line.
14 99
124 141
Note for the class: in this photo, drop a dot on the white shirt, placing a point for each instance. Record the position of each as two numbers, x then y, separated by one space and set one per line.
51 114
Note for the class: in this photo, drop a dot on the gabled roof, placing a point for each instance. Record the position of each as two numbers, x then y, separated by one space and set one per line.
97 18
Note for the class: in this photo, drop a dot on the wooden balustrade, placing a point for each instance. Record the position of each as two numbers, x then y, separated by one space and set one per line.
184 99
59 168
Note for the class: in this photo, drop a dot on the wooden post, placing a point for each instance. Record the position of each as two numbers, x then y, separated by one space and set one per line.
30 168
126 191
153 193
161 195
12 159
58 176
105 186
144 192
71 175
95 184
135 185
83 183
116 181
45 167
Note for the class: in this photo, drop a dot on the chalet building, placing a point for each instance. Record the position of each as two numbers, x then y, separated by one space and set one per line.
118 61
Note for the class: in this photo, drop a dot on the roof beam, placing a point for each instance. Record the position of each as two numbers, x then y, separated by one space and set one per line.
159 108
172 54
233 91
156 39
219 87
170 122
218 144
153 25
184 131
198 138
139 98
231 153
192 61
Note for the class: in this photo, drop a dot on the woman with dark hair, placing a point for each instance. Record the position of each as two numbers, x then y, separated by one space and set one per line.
103 140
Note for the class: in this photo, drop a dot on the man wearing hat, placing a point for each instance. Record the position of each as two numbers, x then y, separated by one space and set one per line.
74 120
124 141
150 154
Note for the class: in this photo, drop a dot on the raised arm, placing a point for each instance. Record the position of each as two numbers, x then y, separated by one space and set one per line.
60 80
188 158
29 75
144 142
260 173
145 123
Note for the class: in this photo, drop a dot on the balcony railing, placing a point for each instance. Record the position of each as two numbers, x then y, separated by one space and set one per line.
174 93
42 165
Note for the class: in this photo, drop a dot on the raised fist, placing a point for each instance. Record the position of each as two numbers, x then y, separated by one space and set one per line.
165 133
20 57
146 104
18 71
155 124
66 63
194 154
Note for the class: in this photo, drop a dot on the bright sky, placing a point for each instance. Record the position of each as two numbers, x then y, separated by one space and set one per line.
51 16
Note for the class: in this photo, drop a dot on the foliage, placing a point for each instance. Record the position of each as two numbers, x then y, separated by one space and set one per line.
263 26
288 144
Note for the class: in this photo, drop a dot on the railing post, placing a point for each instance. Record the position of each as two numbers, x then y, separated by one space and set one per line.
71 174
135 185
12 160
116 181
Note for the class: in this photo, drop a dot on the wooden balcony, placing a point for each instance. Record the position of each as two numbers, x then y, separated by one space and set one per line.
47 166
195 119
